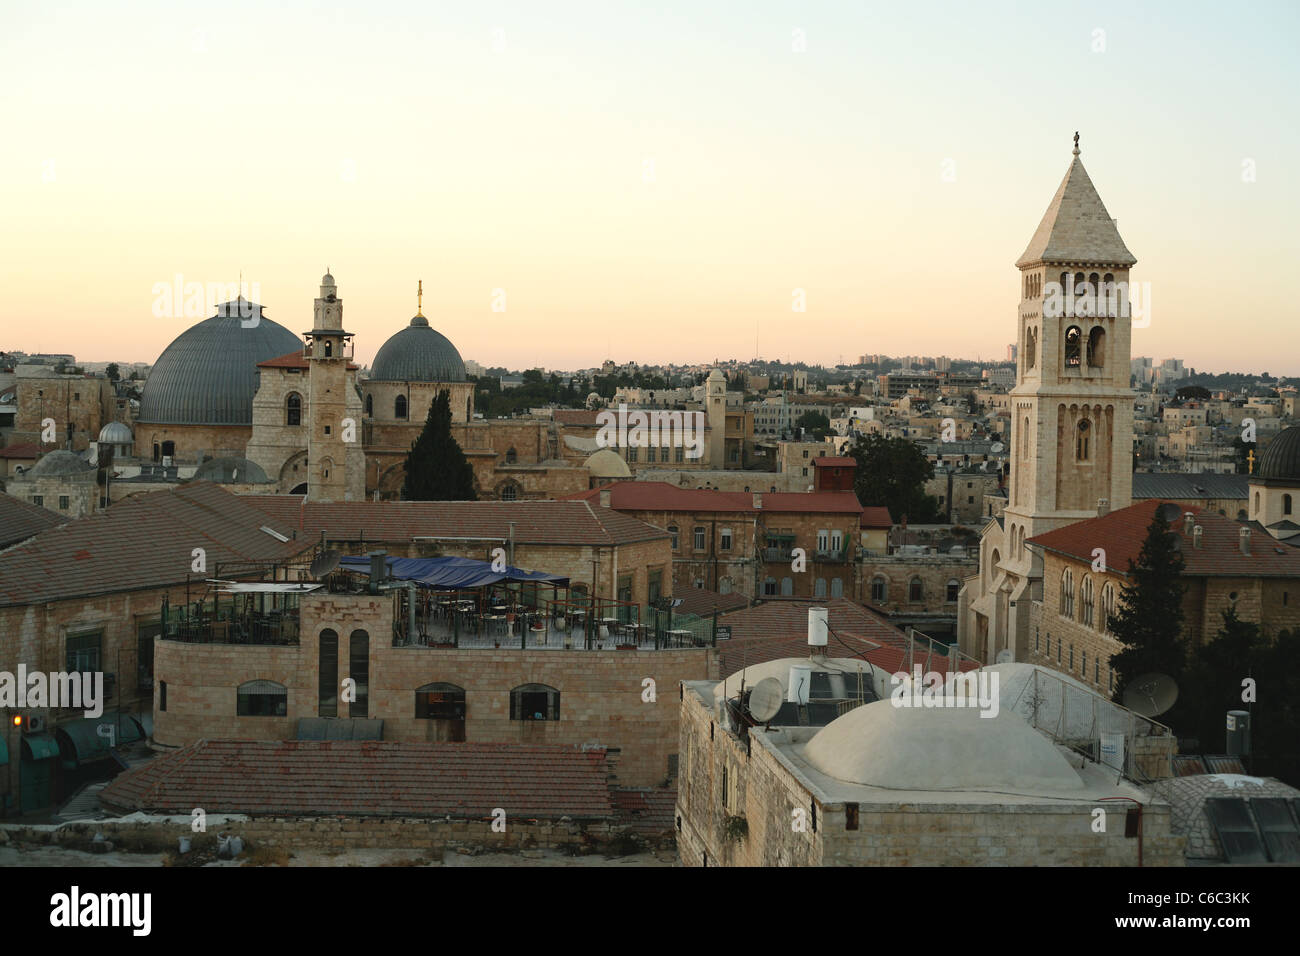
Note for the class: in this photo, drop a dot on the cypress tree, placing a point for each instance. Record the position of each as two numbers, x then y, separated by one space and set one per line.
436 468
1149 621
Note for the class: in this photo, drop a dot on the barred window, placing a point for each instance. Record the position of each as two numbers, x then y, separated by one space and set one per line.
1067 594
84 651
534 702
262 698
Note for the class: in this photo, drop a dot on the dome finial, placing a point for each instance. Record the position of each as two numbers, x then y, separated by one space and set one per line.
1076 142
419 299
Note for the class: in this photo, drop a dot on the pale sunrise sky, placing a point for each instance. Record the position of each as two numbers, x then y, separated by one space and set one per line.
646 181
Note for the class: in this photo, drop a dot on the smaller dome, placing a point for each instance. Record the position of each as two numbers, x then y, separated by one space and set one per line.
1280 461
230 470
606 463
717 376
327 279
58 464
115 433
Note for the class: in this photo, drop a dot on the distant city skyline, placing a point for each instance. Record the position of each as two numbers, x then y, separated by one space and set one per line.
655 185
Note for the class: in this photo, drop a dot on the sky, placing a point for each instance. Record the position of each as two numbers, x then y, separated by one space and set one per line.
642 181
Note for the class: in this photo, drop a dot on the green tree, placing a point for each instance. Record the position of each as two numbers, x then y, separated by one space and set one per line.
436 468
893 472
112 373
1149 622
815 422
1211 685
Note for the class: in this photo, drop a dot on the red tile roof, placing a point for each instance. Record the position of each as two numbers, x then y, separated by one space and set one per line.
19 520
876 516
779 629
370 778
535 522
702 601
662 496
1121 534
646 810
141 543
22 451
294 360
575 416
835 461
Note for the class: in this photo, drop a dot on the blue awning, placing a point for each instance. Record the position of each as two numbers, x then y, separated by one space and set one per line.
451 574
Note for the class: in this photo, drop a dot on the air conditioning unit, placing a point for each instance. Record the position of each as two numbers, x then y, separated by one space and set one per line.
34 724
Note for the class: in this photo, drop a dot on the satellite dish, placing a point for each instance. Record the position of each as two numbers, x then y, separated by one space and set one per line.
996 447
1005 656
324 563
1171 512
765 699
1150 694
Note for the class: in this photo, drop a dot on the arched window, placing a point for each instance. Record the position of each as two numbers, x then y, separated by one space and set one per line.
370 406
819 588
359 671
724 586
1107 606
879 589
1286 504
329 673
293 409
1097 347
915 590
1257 502
399 407
262 698
673 532
534 702
787 587
1106 296
837 588
329 348
1073 346
1031 347
440 702
511 456
509 491
1067 594
952 590
1083 440
769 587
1085 601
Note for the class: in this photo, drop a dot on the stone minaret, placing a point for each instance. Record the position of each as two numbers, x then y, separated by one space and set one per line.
335 458
715 403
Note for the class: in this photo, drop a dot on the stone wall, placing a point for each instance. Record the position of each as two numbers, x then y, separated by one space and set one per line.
79 406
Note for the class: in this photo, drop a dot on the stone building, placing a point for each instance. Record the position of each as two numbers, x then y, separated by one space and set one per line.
1223 567
848 779
78 405
424 693
1274 504
1072 408
61 481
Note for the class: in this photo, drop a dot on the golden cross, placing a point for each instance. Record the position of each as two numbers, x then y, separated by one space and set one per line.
1250 457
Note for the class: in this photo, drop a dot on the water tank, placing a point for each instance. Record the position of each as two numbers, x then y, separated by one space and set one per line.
800 681
1112 751
1238 733
818 628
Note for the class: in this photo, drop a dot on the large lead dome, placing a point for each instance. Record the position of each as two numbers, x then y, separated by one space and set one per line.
208 375
418 353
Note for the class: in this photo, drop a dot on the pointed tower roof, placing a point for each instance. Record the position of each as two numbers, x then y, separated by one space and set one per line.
1076 226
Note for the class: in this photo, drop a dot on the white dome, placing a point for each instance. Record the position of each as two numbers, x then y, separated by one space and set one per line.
939 748
606 463
115 433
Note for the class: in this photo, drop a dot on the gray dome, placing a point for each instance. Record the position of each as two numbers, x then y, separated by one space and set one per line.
59 464
209 374
115 433
1281 459
418 353
227 470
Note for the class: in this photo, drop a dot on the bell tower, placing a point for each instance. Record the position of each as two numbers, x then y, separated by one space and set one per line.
1072 408
335 458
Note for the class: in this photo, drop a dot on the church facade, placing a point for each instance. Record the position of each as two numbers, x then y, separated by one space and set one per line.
1072 410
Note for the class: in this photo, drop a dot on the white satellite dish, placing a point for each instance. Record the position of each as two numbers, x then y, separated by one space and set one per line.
1005 656
765 699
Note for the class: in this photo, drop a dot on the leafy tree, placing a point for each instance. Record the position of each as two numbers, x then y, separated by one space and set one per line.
1149 621
1192 392
436 468
113 373
1211 685
893 472
815 422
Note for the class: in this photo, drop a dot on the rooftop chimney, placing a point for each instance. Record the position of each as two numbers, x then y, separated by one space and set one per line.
1103 506
1189 520
1196 536
604 497
378 568
1244 537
